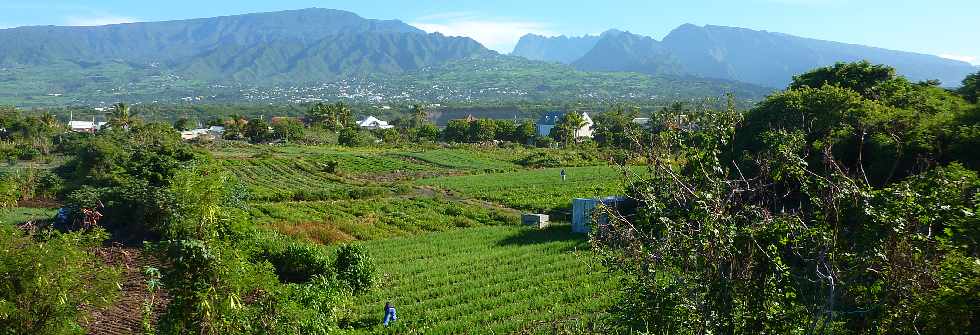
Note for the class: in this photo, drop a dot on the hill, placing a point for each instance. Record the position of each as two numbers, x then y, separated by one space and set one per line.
560 49
321 54
758 57
306 43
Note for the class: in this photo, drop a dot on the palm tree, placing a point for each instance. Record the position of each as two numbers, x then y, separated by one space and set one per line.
569 125
121 116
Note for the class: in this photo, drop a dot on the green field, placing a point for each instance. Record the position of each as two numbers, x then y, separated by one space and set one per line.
487 280
371 219
463 159
18 215
442 224
535 190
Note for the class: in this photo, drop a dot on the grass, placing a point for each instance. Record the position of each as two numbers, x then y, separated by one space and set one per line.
535 190
463 159
18 215
340 221
487 280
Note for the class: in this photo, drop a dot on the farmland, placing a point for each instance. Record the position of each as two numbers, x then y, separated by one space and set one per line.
487 280
371 219
442 226
539 190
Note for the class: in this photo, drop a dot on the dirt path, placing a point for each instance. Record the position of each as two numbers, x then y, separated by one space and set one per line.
125 315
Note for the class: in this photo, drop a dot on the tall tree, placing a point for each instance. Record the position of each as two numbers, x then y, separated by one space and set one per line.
567 127
343 115
419 115
971 87
122 116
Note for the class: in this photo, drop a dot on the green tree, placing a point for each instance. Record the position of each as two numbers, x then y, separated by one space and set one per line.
321 114
288 129
182 124
257 131
505 130
419 116
457 131
427 133
862 77
353 137
567 127
122 116
482 130
775 223
971 87
344 116
525 133
615 127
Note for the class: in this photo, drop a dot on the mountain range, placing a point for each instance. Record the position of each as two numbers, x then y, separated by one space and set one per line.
758 57
322 54
293 45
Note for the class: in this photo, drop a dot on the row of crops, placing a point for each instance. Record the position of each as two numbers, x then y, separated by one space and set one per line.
371 219
539 190
487 280
462 159
283 179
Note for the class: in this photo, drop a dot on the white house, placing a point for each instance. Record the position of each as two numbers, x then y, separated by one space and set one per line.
549 120
372 123
212 132
85 126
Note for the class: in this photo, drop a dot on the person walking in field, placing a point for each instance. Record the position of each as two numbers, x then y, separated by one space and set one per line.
389 314
562 174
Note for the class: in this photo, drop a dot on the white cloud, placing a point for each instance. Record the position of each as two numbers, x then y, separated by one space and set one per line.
494 33
98 20
969 59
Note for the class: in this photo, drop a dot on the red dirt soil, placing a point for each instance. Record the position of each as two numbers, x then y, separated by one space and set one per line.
125 315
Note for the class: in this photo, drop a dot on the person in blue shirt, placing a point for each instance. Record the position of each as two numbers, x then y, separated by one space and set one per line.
389 314
562 174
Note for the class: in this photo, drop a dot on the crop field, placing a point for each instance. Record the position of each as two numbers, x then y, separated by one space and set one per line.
354 163
338 221
282 179
442 225
463 159
487 280
535 190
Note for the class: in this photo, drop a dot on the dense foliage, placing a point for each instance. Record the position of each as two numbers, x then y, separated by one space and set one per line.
46 277
837 206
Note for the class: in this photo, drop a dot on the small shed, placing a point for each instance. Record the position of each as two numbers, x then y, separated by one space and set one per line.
582 210
540 221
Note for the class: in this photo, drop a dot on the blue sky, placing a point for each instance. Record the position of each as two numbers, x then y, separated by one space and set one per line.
950 28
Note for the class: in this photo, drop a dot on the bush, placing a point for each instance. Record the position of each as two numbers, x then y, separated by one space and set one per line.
354 267
352 137
299 263
46 279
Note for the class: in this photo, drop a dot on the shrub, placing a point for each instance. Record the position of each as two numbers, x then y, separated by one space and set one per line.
299 263
45 279
352 137
355 267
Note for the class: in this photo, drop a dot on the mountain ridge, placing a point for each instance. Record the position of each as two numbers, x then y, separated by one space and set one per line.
770 58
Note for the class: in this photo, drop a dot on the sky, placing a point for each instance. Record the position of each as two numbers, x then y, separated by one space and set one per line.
948 28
